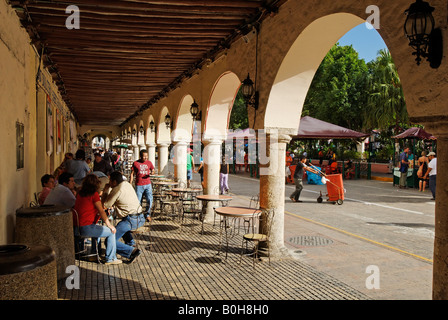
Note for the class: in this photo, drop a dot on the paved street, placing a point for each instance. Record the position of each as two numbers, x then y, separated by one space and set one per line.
377 225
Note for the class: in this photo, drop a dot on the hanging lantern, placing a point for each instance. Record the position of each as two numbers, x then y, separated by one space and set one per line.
418 27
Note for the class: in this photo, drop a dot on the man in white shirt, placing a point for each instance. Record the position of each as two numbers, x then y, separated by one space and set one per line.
63 194
432 173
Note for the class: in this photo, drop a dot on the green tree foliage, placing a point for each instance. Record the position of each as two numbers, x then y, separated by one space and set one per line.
386 106
238 115
338 91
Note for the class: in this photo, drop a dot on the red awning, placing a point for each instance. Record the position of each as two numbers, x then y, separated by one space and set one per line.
415 133
311 128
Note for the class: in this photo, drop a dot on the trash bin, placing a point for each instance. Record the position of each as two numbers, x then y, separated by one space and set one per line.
27 272
335 188
51 226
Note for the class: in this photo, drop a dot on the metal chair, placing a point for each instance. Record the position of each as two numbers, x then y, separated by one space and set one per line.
81 251
262 235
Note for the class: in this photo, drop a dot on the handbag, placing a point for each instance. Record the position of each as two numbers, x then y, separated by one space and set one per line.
420 171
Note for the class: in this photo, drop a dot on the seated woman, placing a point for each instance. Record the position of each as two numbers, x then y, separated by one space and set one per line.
90 209
349 170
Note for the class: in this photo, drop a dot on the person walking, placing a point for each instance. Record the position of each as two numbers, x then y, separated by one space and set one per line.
404 165
224 176
141 169
298 176
432 173
190 167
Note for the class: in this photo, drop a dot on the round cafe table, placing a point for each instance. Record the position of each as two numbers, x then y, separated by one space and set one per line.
205 198
234 212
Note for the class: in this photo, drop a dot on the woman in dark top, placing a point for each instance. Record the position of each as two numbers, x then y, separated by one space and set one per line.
224 176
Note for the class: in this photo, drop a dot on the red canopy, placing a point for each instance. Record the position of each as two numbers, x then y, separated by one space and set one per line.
415 133
311 128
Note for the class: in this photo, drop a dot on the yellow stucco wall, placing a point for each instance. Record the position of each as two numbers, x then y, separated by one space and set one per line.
21 103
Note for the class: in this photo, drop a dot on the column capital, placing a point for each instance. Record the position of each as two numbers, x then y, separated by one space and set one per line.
436 125
163 143
212 141
181 143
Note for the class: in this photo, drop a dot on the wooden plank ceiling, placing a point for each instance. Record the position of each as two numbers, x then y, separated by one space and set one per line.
128 54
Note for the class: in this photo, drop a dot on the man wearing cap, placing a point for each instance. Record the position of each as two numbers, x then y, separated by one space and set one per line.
432 172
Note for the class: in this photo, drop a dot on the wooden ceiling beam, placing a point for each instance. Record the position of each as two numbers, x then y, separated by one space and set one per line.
56 9
40 16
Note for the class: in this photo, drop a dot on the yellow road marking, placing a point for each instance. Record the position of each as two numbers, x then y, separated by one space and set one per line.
351 234
359 237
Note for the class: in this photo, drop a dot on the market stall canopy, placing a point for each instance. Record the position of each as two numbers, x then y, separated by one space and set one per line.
311 128
241 133
415 133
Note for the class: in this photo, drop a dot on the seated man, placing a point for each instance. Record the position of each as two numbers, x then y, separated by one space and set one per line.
48 183
120 195
63 194
101 165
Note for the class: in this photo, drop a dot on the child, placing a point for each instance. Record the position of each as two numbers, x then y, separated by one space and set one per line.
48 183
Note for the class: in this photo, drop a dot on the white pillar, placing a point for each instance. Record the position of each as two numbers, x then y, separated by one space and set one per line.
272 188
163 157
152 153
212 162
136 151
180 161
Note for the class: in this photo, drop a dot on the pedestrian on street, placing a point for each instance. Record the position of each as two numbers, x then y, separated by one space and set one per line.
298 176
432 173
404 165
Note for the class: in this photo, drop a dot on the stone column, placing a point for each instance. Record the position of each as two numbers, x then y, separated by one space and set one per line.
163 157
212 162
440 260
272 187
180 161
152 153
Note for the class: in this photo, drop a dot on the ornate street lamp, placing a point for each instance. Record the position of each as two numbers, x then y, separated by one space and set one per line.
249 93
142 130
134 132
194 110
152 126
418 28
168 121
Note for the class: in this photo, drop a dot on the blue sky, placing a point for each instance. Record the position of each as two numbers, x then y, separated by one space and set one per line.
366 41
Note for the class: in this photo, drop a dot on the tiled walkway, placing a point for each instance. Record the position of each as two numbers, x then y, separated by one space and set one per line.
180 263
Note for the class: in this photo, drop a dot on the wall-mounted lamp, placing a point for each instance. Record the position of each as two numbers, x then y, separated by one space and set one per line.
152 126
142 130
194 110
129 135
422 36
168 121
249 93
134 132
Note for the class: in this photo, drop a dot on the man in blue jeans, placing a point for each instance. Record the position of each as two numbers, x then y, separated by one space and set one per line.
141 169
121 196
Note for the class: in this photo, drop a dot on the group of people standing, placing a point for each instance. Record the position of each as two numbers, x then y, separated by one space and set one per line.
99 193
427 170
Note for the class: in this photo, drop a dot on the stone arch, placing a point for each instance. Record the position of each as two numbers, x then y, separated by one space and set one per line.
220 105
141 136
150 136
183 122
299 66
163 133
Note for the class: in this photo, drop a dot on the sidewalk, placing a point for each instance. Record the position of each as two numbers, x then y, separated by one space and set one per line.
179 263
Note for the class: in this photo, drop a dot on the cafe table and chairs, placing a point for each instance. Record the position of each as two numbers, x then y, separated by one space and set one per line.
230 215
205 199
